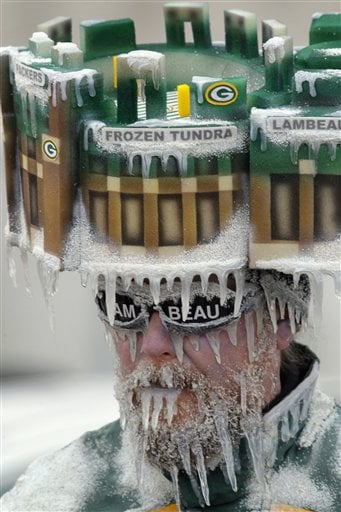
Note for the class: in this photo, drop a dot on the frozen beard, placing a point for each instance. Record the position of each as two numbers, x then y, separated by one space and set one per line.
179 420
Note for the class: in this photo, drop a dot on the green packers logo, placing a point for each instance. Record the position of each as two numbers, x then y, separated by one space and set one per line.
221 93
50 149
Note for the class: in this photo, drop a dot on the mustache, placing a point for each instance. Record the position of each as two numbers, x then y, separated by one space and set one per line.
168 376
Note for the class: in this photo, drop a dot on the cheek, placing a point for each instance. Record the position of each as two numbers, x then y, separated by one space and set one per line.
234 358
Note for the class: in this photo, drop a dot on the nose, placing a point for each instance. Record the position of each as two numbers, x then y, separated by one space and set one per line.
157 342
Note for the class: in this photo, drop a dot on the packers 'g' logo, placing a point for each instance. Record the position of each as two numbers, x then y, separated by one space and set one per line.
221 93
50 149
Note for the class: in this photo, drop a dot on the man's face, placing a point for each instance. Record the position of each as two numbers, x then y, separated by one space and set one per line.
209 359
171 365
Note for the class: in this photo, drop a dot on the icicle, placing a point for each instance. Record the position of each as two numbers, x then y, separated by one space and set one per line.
296 278
146 161
281 304
316 286
12 269
259 319
93 126
204 277
292 318
23 94
271 303
170 398
223 469
295 412
132 337
182 163
131 157
294 148
63 85
141 449
178 342
225 440
24 260
313 150
110 296
195 342
214 342
174 476
285 431
78 79
154 284
91 85
139 279
32 103
306 404
332 150
49 278
84 274
94 282
337 283
255 442
223 286
126 281
298 316
272 445
184 451
186 282
144 61
274 49
167 377
243 396
232 330
62 79
250 336
200 97
237 463
263 139
109 337
310 77
164 161
157 407
170 282
123 417
146 397
125 409
201 469
239 276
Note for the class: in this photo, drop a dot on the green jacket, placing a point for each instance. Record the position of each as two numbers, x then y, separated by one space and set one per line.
85 476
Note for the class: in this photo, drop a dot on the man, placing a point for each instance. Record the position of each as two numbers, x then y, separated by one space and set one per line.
214 410
218 408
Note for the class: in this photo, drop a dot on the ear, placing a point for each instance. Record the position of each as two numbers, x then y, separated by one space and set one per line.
284 335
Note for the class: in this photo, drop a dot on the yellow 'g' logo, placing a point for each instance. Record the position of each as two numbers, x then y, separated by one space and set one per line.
50 149
221 93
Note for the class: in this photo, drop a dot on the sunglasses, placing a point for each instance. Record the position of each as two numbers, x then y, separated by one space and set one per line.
205 312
